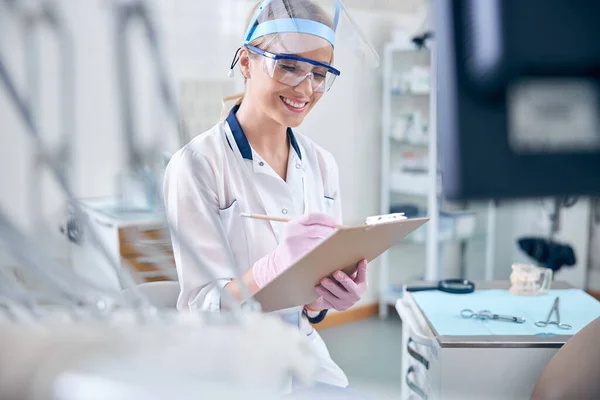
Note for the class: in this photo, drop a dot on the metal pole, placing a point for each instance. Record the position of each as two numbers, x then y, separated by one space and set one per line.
432 272
490 244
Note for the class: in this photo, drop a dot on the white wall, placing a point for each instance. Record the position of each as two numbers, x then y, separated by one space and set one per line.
198 44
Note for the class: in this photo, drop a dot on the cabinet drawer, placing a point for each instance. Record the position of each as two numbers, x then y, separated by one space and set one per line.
137 241
420 354
416 380
151 269
422 368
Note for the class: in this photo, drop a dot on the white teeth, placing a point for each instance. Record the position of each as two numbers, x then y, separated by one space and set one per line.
293 104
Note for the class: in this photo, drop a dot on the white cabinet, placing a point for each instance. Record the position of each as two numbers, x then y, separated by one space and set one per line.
137 241
436 367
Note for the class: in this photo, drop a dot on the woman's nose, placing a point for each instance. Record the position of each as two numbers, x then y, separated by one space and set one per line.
306 86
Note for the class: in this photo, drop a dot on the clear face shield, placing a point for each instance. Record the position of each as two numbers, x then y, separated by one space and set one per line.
296 40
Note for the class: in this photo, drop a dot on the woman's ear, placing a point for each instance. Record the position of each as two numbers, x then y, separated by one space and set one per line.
245 63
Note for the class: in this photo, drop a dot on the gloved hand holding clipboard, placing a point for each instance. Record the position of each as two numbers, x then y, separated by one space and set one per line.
341 251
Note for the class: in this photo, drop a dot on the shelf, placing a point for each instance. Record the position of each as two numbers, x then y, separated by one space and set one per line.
409 192
411 183
407 143
399 93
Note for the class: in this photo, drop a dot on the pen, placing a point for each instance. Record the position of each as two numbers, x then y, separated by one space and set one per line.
269 218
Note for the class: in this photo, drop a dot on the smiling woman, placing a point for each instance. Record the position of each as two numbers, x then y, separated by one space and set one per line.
288 58
254 163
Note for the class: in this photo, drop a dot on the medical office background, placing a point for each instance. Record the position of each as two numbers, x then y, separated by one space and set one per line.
198 42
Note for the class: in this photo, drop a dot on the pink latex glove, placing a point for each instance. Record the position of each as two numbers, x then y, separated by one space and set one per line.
299 237
343 291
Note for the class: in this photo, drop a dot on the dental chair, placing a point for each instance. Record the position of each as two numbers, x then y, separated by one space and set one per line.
162 294
574 371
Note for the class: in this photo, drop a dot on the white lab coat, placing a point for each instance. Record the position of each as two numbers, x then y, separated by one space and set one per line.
217 176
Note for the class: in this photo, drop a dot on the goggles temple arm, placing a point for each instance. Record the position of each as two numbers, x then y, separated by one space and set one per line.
236 58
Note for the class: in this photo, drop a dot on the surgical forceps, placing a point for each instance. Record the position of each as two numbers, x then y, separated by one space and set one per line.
486 314
547 322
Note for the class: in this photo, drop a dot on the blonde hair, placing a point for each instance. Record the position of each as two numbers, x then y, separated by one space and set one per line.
304 9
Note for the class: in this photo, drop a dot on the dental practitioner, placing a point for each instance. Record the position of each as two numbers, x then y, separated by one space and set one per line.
256 162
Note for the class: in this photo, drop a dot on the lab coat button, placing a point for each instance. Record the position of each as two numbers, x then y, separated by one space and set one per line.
297 166
284 211
261 163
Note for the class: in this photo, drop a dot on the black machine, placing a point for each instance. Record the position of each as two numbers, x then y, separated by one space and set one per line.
518 97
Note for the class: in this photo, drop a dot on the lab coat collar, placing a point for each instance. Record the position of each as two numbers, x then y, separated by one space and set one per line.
242 141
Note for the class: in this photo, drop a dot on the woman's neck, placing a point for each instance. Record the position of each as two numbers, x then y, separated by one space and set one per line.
265 136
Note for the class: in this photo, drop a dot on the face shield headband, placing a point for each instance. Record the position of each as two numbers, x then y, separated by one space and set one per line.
285 23
291 25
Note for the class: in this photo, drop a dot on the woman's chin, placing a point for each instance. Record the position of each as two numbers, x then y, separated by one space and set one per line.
291 120
294 123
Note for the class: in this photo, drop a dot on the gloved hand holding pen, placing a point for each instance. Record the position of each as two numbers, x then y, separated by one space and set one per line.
299 237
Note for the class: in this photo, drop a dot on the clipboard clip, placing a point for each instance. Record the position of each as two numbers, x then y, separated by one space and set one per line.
382 219
370 222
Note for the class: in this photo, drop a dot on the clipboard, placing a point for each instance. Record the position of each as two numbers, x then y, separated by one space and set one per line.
341 251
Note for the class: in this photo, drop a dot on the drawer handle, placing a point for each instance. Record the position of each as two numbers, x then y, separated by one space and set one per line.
156 260
152 228
419 357
413 386
154 274
153 242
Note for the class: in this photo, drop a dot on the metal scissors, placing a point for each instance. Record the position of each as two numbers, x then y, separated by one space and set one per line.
486 314
542 324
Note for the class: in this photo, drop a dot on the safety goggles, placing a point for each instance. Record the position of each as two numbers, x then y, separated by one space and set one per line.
293 70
